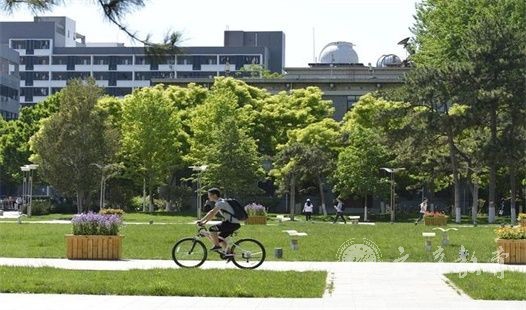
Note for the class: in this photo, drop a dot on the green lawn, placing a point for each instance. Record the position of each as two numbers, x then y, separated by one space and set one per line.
489 286
321 244
164 282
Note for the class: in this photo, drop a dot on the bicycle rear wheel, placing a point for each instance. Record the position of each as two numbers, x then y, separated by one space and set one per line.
248 253
189 253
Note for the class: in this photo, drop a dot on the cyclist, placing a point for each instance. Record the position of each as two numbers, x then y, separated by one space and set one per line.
229 224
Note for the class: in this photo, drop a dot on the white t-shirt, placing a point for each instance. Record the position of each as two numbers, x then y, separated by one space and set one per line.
423 207
307 208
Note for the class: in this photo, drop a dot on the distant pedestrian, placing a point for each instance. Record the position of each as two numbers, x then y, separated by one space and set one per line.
18 203
339 207
308 208
422 212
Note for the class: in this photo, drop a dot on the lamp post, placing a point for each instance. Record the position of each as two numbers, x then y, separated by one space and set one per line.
199 170
28 171
25 171
392 171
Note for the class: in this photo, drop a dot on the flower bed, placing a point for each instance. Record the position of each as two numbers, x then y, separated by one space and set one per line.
257 214
512 240
435 219
95 236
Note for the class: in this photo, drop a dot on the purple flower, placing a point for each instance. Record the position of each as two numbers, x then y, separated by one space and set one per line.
95 224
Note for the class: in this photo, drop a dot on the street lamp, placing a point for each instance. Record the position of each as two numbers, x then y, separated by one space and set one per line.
392 171
199 170
28 190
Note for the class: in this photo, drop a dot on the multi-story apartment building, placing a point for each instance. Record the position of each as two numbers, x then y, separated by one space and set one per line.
9 83
52 52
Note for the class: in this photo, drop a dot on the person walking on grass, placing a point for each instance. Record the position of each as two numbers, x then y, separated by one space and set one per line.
308 208
423 210
339 207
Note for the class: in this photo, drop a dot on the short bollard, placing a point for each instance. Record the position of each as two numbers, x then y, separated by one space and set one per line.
278 252
294 244
428 236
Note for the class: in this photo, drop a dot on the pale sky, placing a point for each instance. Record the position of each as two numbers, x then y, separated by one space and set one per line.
374 26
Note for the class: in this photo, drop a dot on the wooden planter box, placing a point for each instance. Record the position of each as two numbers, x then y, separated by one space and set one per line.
258 220
94 247
516 248
435 221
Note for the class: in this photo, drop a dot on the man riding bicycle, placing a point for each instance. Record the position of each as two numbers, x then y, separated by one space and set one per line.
229 224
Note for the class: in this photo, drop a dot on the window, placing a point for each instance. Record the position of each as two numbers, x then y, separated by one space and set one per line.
40 76
41 60
118 91
59 60
55 90
125 76
184 60
82 60
101 60
19 44
101 76
195 74
146 76
42 91
124 60
40 44
64 76
141 60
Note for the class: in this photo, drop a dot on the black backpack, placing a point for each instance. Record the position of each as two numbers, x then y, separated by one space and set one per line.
239 211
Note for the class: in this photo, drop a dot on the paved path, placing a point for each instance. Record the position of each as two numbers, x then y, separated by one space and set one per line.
356 286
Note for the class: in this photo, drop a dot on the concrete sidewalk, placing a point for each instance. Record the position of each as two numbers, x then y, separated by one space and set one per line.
356 286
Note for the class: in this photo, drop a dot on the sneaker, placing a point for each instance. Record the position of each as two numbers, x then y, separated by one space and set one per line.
216 248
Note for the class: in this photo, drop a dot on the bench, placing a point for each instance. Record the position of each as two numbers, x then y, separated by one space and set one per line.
282 218
354 219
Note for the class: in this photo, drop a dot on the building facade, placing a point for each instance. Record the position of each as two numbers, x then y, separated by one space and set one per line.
9 83
51 53
339 75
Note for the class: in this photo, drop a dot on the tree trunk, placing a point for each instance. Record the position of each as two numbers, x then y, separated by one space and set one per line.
322 197
143 194
150 193
513 189
79 203
431 197
492 166
456 179
292 197
365 209
474 206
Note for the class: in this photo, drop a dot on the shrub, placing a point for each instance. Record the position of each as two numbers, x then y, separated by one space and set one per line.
522 216
106 211
96 224
511 232
40 207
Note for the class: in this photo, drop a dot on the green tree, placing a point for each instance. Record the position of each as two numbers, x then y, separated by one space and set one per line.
487 39
151 136
14 142
72 140
321 143
220 141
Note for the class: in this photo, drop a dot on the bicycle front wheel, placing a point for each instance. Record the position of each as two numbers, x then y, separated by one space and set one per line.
189 253
248 254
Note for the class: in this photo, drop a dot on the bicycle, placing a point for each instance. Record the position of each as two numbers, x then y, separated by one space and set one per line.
191 252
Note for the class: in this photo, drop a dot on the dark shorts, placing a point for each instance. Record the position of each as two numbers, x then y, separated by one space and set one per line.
225 229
